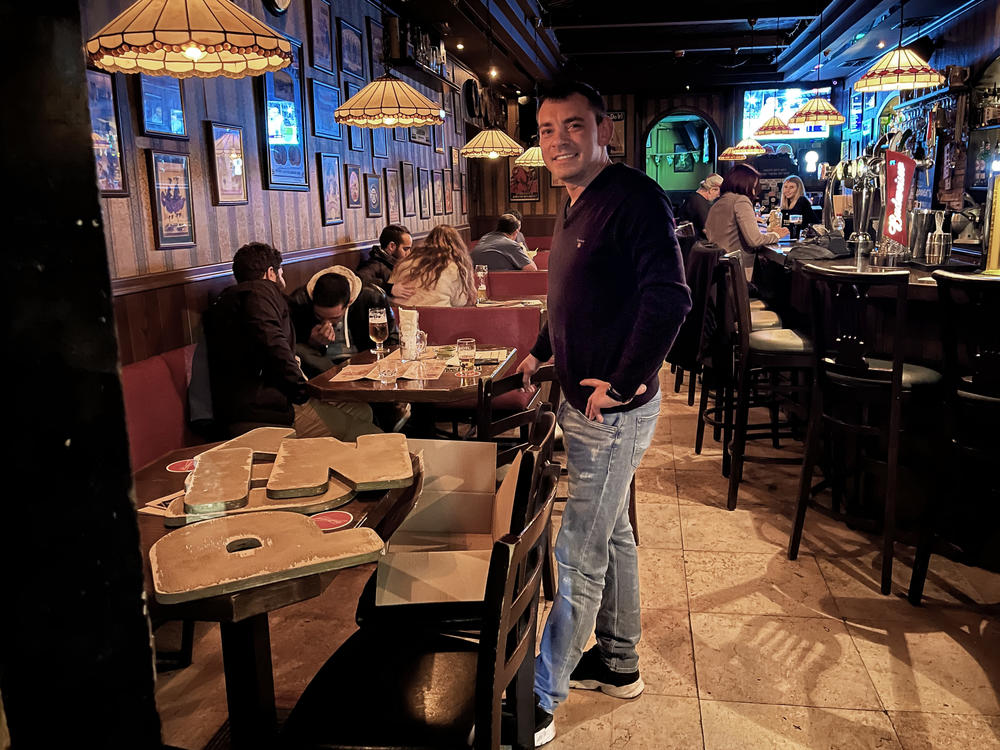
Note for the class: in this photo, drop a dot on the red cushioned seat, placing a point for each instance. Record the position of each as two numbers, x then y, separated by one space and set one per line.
539 242
542 260
517 284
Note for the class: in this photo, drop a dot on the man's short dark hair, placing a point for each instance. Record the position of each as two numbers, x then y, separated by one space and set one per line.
253 259
515 213
392 233
331 290
561 90
508 224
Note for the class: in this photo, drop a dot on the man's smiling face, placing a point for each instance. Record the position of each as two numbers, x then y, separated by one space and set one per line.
573 142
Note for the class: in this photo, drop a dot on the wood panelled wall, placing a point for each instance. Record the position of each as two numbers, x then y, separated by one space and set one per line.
160 293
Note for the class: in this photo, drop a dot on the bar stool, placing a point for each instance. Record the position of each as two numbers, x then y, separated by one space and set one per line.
858 394
771 366
970 307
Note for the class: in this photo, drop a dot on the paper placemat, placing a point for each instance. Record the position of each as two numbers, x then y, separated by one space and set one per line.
430 369
483 357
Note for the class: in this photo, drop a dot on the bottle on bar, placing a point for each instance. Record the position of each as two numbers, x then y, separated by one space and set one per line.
979 173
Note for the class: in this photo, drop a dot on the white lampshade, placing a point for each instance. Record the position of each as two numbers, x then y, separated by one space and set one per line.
183 38
531 158
388 102
491 143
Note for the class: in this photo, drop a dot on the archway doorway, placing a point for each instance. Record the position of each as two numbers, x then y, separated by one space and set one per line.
680 153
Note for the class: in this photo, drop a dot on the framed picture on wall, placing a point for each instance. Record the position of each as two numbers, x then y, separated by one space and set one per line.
457 106
229 176
352 60
373 196
399 134
683 158
105 134
332 200
322 46
376 53
449 205
438 185
355 135
617 145
408 188
523 183
284 157
170 194
421 134
447 102
352 177
380 142
438 138
162 113
455 156
393 211
462 192
326 99
424 188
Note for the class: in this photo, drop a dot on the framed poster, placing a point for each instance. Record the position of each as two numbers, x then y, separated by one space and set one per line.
284 157
455 155
331 200
457 106
352 176
229 176
421 134
446 176
399 134
462 192
438 138
104 134
162 111
322 46
683 158
617 145
438 186
424 188
373 196
355 135
352 60
393 212
170 192
857 111
376 53
446 101
408 188
523 183
326 99
380 143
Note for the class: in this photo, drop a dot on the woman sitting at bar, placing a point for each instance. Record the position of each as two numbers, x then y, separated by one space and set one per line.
439 271
731 222
695 208
794 201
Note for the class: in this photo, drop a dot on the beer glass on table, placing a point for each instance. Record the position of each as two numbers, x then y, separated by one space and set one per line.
482 272
465 349
378 329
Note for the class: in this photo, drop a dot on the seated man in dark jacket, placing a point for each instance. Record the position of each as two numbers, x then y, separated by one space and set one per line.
394 244
255 377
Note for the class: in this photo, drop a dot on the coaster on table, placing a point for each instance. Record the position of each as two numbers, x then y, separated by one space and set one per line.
332 520
181 467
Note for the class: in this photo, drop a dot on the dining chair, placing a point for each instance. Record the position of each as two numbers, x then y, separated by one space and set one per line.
517 284
970 309
426 689
859 393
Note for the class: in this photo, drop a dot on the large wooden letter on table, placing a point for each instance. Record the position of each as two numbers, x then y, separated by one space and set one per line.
240 552
220 481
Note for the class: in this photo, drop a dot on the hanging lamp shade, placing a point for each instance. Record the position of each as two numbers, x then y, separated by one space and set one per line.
748 147
184 38
387 102
898 70
532 157
728 155
491 143
773 127
817 111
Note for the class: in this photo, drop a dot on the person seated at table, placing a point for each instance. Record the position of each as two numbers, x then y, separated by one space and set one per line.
731 223
439 271
794 201
500 251
255 377
394 244
330 315
695 208
519 237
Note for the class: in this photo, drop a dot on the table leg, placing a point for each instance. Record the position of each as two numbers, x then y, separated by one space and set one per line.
246 657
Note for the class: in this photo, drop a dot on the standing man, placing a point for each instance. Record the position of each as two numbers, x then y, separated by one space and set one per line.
499 251
394 244
616 300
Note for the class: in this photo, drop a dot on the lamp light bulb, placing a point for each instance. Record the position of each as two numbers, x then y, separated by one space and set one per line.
193 52
388 120
494 155
459 46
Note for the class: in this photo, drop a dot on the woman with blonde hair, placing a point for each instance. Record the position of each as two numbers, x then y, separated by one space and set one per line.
439 271
794 201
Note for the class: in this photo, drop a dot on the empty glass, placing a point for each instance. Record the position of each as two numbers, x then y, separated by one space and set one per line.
378 329
388 369
466 351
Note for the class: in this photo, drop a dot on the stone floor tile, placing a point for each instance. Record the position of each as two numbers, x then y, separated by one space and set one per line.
659 525
666 659
750 529
583 722
661 579
656 722
924 731
656 483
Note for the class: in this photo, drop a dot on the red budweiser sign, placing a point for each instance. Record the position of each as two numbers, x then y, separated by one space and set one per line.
899 171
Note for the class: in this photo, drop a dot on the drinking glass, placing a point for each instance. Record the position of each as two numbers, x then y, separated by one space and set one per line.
481 274
795 220
466 351
388 369
421 347
378 329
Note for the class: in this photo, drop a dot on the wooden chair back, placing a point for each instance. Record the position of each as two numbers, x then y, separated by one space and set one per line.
970 307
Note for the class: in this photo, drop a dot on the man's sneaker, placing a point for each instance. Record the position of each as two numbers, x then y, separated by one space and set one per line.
593 674
545 727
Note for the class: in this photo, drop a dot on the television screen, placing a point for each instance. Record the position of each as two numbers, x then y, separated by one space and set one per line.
760 105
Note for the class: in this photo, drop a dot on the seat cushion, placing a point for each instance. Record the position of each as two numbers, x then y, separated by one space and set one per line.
914 376
757 304
155 401
762 320
780 341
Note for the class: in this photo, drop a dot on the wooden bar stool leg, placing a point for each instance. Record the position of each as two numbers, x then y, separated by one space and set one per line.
727 429
678 379
812 448
692 386
739 443
891 486
632 517
699 435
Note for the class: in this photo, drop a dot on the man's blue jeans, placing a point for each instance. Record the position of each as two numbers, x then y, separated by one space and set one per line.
595 551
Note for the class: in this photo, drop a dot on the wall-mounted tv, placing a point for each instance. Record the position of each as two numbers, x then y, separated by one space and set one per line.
759 105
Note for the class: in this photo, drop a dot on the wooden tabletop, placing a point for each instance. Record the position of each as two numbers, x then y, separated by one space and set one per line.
447 388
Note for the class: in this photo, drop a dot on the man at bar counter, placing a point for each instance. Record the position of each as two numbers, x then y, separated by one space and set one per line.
499 250
255 376
617 298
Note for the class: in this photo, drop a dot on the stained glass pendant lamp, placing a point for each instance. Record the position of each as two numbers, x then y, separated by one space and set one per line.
817 111
184 38
748 147
532 157
491 143
899 69
728 155
389 102
773 127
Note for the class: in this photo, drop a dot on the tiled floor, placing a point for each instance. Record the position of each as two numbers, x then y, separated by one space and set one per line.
741 647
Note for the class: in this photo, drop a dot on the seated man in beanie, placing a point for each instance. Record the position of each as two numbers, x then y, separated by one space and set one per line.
499 251
256 379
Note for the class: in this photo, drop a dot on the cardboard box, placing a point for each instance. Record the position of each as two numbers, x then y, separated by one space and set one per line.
441 552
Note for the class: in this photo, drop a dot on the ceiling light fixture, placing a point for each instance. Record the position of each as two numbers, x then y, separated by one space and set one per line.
532 157
184 38
774 126
459 46
728 155
748 147
899 69
817 111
